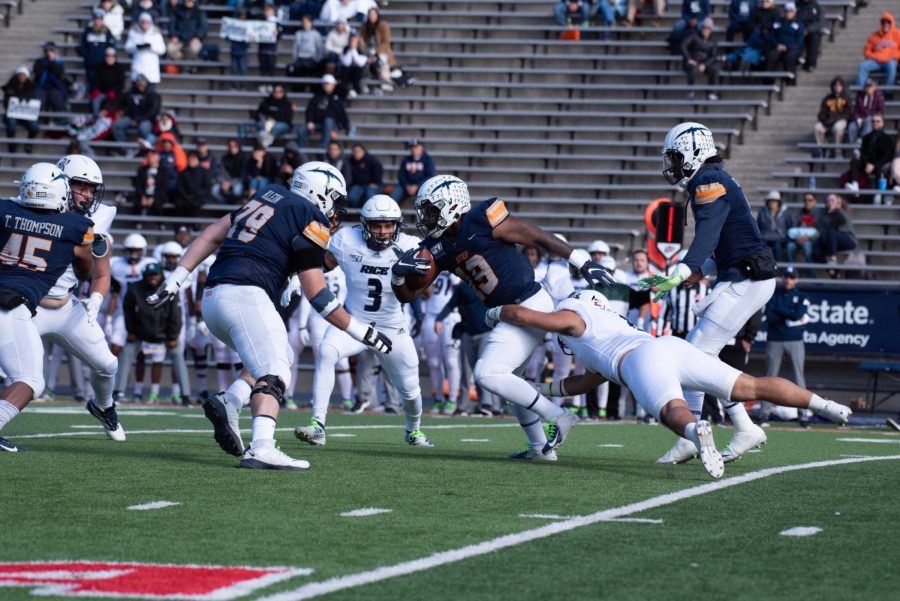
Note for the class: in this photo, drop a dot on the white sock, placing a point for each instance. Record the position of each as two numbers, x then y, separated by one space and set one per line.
738 416
345 384
532 426
413 410
8 412
154 388
223 374
817 403
238 394
690 432
138 388
263 432
176 389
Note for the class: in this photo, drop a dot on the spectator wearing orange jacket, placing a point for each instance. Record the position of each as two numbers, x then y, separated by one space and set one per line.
172 157
882 52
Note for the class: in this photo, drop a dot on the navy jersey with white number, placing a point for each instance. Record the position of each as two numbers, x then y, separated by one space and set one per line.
268 236
498 272
37 248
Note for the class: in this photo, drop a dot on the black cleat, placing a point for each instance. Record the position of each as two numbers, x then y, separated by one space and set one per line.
226 433
9 447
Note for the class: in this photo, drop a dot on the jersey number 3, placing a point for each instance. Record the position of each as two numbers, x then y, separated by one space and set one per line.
250 220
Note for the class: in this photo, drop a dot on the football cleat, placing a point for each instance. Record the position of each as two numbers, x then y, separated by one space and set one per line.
742 441
313 434
360 406
683 451
417 438
290 404
272 459
531 454
152 399
840 414
347 405
391 410
558 430
224 419
709 455
110 420
449 408
9 447
437 407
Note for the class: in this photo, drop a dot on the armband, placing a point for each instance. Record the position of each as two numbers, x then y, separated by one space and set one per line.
100 246
554 389
324 303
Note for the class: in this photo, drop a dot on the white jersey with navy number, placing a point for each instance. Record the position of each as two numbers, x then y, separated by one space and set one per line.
102 217
607 336
368 274
441 292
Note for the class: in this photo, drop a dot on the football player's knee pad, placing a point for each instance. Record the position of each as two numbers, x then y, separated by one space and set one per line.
484 369
328 354
108 369
271 385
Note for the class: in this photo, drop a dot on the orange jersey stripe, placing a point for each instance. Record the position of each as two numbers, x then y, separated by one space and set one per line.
317 233
709 193
88 236
497 212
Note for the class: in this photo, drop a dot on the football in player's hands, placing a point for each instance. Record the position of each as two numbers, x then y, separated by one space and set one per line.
417 266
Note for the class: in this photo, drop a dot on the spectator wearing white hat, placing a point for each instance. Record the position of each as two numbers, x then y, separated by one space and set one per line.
325 115
19 86
145 44
774 221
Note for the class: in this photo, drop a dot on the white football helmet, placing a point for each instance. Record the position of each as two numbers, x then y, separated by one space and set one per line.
441 202
380 207
80 168
43 186
686 147
135 246
171 249
323 185
598 246
608 263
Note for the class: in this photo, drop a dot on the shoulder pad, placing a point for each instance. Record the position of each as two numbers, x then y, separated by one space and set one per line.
317 233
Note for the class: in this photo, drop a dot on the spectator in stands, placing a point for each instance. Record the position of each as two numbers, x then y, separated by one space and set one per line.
95 39
741 19
140 106
309 50
325 115
260 171
267 52
145 44
785 42
151 7
90 127
274 116
152 185
336 10
238 51
167 121
835 112
234 165
291 158
875 157
693 12
571 12
774 221
207 159
765 18
156 329
837 235
337 158
366 175
19 86
353 67
882 52
869 102
375 39
701 57
109 81
113 17
631 9
806 230
335 42
187 28
414 169
50 84
193 187
172 157
811 15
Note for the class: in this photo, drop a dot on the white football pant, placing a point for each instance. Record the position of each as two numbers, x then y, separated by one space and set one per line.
21 349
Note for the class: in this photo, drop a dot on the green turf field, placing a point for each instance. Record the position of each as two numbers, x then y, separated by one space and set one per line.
66 498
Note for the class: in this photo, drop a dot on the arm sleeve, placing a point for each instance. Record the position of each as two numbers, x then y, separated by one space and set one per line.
709 217
305 311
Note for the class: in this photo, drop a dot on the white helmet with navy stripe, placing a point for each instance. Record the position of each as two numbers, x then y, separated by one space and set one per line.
44 186
686 148
79 168
380 207
323 185
442 201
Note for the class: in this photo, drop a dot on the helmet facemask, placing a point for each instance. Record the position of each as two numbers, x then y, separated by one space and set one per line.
88 204
376 243
430 222
673 167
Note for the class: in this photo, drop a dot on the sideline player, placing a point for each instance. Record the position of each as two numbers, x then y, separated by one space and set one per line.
70 324
479 245
366 255
277 233
441 351
726 241
39 240
655 369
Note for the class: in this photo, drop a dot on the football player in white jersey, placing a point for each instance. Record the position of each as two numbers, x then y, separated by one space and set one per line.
366 254
200 340
125 270
72 324
441 350
655 369
181 382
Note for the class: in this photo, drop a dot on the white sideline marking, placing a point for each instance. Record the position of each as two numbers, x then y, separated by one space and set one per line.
87 427
316 589
339 435
842 455
474 440
365 511
801 531
637 520
80 410
153 505
877 440
611 446
553 516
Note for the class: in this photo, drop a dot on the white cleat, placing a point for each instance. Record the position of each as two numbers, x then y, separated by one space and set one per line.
558 430
742 441
530 454
840 414
709 456
313 434
272 459
683 451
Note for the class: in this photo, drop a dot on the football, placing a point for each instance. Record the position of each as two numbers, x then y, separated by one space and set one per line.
419 282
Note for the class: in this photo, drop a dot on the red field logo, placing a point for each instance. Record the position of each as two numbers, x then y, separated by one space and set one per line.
141 580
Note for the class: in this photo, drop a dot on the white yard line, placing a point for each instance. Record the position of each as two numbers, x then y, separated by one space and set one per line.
801 531
365 511
474 440
339 583
153 505
876 440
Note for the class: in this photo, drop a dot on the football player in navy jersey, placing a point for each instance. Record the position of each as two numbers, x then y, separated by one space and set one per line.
279 232
39 240
727 243
479 245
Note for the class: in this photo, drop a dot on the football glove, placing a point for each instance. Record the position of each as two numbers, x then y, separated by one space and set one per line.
92 306
369 336
303 337
408 264
202 328
416 328
492 316
594 273
169 288
293 288
661 283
